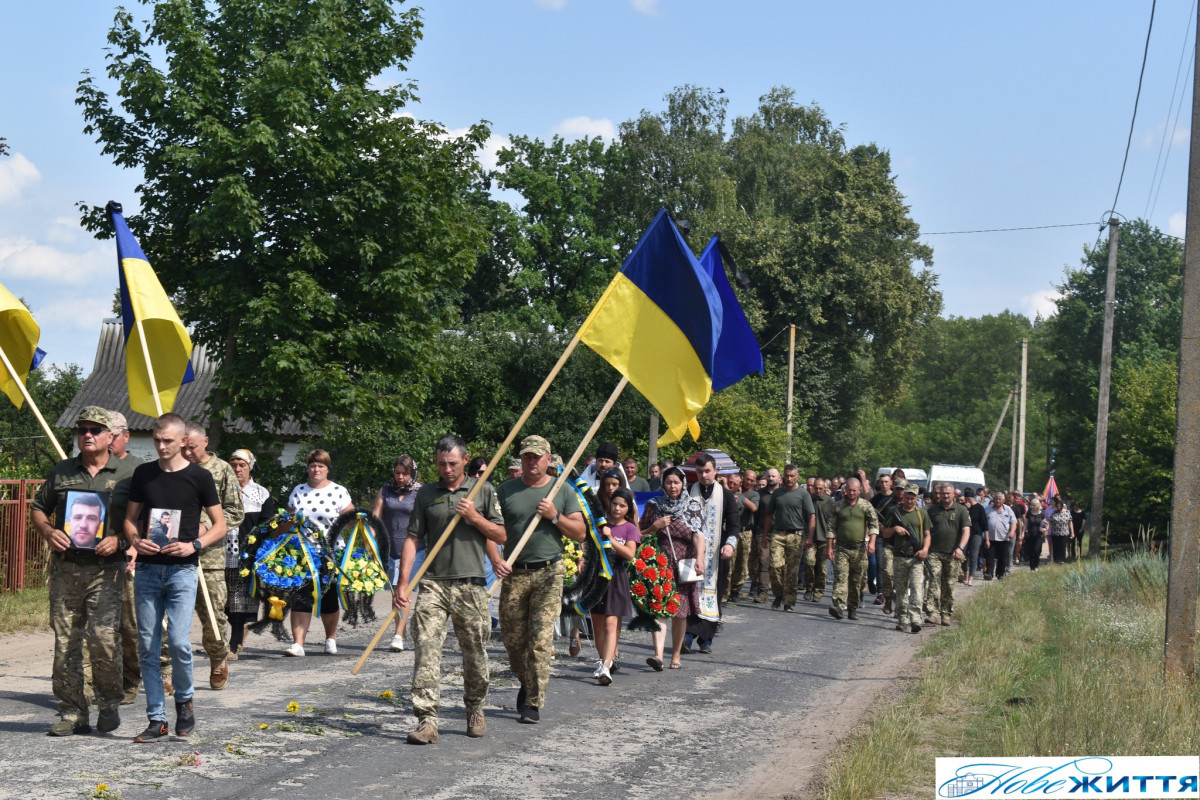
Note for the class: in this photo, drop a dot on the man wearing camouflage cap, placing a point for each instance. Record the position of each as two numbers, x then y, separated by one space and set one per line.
85 584
531 598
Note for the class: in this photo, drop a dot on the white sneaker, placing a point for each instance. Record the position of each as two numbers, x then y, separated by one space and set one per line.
397 645
604 677
331 647
296 649
599 669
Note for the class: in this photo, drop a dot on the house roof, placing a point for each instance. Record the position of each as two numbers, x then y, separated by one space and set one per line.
106 387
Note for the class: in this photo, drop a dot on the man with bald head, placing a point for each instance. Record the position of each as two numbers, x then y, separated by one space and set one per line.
854 528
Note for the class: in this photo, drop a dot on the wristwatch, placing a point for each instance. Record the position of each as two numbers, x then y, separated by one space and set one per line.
196 544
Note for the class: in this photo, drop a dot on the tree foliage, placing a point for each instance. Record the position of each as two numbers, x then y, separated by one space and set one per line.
24 450
309 229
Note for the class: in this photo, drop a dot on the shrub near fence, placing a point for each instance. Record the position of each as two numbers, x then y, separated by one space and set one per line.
23 554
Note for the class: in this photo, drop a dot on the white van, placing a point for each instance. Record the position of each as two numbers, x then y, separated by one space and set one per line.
911 474
957 474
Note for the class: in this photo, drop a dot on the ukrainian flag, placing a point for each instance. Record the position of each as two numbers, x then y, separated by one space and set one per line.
659 323
18 338
146 311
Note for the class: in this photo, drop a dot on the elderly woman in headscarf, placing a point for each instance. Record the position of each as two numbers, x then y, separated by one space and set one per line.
240 607
677 520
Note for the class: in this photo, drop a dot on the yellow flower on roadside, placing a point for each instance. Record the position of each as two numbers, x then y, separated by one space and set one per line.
262 726
386 694
293 707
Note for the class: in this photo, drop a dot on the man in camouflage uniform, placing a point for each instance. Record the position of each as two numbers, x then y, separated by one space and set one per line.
531 597
790 521
747 500
951 523
908 557
212 558
85 584
887 503
453 586
814 564
854 529
760 554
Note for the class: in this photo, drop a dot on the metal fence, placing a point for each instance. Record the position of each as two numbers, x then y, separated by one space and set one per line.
24 557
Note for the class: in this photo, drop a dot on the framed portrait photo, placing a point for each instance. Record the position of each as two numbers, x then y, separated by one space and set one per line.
84 516
163 525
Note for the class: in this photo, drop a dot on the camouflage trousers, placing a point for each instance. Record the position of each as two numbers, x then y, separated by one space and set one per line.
530 602
885 557
944 572
131 670
910 588
849 569
216 643
760 562
785 564
466 605
814 570
739 565
85 610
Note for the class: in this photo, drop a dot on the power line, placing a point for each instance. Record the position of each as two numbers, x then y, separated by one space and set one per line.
1137 98
1025 228
1169 137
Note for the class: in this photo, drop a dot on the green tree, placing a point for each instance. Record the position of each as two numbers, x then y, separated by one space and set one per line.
1141 445
311 232
24 450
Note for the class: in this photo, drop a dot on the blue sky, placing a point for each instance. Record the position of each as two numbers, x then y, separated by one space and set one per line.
996 115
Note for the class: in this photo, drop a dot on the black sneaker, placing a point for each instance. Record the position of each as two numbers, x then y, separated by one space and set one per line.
777 602
530 715
521 700
156 731
788 607
706 647
185 718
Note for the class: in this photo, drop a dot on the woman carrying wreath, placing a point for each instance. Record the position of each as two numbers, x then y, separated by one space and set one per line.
321 501
676 518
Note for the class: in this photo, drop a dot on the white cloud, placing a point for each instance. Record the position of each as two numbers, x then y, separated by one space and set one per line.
79 313
1177 224
16 174
23 258
586 128
646 7
1041 303
552 5
488 154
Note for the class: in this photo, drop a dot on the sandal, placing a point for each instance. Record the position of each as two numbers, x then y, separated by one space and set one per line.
574 647
655 663
676 665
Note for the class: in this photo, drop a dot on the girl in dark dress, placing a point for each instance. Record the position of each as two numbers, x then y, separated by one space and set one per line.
623 534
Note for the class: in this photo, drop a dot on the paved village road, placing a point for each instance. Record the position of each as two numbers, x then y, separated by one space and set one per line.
756 718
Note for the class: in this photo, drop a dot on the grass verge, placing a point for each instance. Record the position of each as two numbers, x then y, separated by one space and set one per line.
25 611
1067 662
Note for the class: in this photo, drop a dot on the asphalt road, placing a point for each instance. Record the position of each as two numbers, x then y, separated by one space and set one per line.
757 716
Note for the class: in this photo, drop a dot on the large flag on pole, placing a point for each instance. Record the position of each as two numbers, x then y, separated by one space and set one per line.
660 324
155 339
18 339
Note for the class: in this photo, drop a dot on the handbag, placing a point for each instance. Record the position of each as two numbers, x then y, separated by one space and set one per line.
685 568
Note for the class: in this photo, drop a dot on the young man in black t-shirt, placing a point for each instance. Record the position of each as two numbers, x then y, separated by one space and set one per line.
165 583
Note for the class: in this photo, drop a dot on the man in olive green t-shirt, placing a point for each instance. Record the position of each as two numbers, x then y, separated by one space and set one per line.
854 529
531 596
453 586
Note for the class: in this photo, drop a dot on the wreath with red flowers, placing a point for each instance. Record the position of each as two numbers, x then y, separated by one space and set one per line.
651 581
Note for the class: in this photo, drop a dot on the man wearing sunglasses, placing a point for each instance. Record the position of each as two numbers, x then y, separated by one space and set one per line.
85 585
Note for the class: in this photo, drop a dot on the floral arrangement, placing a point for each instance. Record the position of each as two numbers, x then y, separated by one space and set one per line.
652 583
286 566
572 556
363 573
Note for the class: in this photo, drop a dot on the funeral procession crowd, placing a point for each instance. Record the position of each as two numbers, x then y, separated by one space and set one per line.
138 548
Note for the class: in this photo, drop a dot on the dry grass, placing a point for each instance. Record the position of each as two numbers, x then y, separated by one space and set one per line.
25 611
1067 662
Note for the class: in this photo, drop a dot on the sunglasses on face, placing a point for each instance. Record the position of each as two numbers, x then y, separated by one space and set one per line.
94 430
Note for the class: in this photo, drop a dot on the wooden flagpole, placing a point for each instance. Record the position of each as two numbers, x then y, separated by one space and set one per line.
500 451
212 615
562 475
32 405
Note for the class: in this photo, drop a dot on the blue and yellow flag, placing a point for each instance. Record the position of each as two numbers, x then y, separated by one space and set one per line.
18 338
147 311
659 324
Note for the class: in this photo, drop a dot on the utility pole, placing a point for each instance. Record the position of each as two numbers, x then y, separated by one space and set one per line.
1021 434
996 431
1012 454
1183 571
652 455
1096 523
791 375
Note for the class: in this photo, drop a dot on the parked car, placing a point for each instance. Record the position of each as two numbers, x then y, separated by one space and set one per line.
959 475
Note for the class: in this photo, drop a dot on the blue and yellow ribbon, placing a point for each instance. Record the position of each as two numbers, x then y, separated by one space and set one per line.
592 526
372 548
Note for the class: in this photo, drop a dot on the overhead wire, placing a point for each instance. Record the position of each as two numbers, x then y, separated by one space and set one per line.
1137 98
1172 110
1000 230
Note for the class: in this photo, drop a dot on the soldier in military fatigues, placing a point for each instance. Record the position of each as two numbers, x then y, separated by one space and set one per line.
908 557
531 598
85 583
790 521
855 528
212 558
815 545
739 567
453 586
951 531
